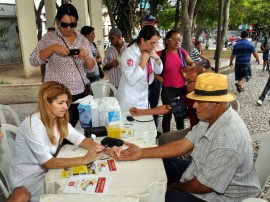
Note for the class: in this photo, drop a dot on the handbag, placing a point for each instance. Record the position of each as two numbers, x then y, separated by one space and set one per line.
179 108
87 86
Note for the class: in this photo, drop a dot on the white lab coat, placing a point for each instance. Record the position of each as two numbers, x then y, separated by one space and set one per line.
133 86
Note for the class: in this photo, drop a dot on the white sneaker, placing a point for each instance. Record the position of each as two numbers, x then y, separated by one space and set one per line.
259 102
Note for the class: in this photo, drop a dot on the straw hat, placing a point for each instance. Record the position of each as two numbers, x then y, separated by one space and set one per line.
211 87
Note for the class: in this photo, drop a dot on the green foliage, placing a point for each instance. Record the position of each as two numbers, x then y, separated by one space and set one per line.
2 82
4 29
123 14
166 14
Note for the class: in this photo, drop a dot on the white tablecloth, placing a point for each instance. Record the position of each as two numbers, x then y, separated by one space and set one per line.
144 179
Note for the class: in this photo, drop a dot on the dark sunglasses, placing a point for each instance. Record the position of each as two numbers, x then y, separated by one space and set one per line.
71 25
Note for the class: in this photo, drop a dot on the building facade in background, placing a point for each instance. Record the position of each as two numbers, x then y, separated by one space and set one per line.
9 38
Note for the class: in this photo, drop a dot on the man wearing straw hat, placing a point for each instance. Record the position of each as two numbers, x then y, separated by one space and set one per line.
221 169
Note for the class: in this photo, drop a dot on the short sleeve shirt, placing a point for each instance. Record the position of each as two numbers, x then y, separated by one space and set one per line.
242 50
222 159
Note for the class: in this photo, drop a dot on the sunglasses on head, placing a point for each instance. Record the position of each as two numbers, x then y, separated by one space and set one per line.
71 25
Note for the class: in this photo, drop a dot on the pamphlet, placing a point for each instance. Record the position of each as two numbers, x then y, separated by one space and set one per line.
88 184
100 166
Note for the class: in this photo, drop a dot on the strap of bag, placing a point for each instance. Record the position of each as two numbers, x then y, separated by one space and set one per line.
73 60
182 57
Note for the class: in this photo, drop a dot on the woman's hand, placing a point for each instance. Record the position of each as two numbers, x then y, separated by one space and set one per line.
144 59
93 154
159 78
114 152
60 50
84 54
153 54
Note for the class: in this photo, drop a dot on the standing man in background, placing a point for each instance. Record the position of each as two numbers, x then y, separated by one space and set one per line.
112 58
242 51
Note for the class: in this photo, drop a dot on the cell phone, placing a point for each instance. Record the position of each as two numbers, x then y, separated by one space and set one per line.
74 52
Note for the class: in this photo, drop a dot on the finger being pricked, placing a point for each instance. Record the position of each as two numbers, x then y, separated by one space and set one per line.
131 153
115 152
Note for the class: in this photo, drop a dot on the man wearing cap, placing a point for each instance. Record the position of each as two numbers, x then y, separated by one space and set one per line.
221 169
149 20
112 59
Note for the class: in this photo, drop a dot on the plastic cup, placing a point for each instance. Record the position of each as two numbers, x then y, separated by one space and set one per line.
149 137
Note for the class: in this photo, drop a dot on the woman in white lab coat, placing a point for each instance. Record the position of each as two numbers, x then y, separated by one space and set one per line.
139 63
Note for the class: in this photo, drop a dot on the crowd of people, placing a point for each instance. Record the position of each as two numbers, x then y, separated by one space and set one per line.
218 142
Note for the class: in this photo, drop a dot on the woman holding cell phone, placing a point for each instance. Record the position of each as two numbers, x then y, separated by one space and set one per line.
65 65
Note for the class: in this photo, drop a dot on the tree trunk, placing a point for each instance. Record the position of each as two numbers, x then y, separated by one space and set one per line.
187 9
109 7
38 18
177 15
226 15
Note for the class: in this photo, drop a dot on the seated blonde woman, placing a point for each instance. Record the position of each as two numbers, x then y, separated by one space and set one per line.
39 136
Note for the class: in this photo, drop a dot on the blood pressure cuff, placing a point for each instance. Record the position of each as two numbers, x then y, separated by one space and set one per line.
179 108
110 142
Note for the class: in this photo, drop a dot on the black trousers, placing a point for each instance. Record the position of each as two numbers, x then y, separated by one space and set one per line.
266 91
154 92
167 95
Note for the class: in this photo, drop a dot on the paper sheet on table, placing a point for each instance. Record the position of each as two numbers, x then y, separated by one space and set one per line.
88 184
100 166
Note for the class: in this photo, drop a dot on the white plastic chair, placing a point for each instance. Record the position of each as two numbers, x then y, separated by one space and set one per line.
6 110
102 89
262 164
6 149
5 189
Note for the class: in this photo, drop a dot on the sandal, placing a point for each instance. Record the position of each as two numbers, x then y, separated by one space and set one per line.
239 88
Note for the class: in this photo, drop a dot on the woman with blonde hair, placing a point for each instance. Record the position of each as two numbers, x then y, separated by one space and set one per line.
39 136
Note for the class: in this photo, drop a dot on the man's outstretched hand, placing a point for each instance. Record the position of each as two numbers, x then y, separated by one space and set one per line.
132 153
